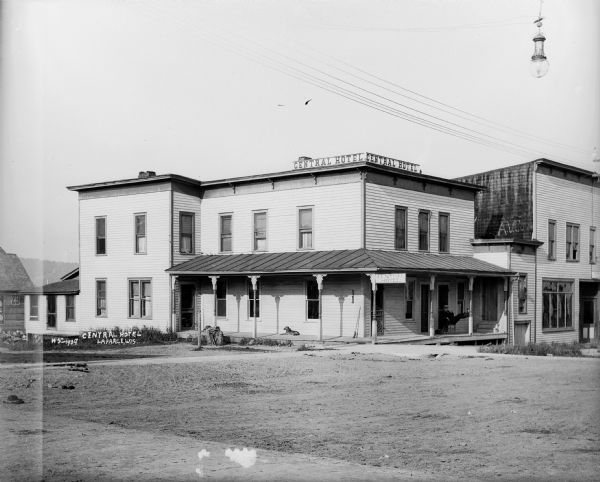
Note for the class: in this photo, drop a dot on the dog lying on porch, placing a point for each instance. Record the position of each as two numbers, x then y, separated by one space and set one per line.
288 331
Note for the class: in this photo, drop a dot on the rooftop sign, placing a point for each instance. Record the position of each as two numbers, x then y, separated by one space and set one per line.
310 163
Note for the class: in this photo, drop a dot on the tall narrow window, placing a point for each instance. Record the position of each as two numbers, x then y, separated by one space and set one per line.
101 309
225 233
140 299
460 297
140 234
253 296
186 233
410 296
34 307
400 224
572 245
592 245
423 230
221 298
101 235
260 231
522 293
51 311
444 230
551 239
312 300
70 307
305 228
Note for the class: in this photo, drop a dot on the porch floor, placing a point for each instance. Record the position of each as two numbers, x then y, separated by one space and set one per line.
476 338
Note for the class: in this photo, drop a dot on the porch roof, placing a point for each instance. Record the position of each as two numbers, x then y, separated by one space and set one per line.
342 261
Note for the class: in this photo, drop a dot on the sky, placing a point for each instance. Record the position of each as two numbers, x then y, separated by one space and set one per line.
98 90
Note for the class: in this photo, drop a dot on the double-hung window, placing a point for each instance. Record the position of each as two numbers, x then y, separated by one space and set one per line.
572 246
140 233
260 231
592 245
444 233
70 307
400 228
225 230
34 307
557 304
305 228
253 300
312 299
186 233
101 235
410 296
101 308
551 239
460 297
140 298
221 298
522 294
423 230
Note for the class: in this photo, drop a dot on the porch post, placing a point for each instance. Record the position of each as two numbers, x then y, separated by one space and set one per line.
373 311
506 286
431 318
471 281
253 280
214 279
320 286
173 314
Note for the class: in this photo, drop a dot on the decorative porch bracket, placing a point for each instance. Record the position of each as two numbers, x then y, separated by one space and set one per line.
471 282
254 281
431 304
320 278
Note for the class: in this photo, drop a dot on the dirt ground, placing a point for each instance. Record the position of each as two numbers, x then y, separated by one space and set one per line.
326 415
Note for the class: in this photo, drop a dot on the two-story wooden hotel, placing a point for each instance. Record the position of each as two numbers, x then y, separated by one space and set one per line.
349 245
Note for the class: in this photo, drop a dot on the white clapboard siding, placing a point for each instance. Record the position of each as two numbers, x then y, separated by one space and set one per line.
556 199
380 218
121 263
39 325
188 203
336 217
283 303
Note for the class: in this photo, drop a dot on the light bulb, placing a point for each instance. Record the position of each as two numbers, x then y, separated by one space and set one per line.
539 67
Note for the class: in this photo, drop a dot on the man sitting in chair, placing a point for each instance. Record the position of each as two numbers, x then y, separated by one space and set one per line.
447 318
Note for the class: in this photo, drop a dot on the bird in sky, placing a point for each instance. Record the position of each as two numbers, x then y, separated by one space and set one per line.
306 103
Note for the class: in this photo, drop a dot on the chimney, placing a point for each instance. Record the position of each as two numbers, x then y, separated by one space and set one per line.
146 174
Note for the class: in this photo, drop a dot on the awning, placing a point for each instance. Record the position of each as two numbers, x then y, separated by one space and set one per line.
342 261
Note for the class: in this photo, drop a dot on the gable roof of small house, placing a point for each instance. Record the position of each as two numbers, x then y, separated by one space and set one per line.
13 276
65 287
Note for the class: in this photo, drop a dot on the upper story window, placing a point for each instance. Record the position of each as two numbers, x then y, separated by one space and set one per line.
260 231
551 239
101 235
572 245
400 228
423 230
186 233
140 234
592 244
225 230
140 298
305 228
444 233
34 307
70 308
101 309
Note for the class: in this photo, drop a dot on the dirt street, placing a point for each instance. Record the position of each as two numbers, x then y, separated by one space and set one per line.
326 415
